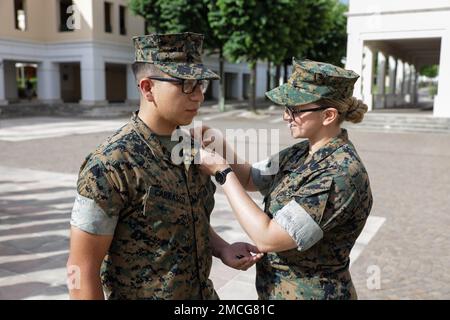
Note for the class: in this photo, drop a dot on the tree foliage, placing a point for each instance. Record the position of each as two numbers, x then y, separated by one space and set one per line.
173 16
331 45
430 71
255 30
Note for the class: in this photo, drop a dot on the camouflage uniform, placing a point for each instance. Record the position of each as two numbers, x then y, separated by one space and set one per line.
178 55
157 211
311 81
322 200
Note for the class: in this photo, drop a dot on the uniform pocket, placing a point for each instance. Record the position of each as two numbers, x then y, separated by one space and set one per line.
163 206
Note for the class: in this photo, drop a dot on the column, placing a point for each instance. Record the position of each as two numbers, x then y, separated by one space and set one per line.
392 74
399 86
10 78
442 99
380 100
239 86
414 86
132 89
392 64
405 69
93 88
412 83
407 84
261 80
48 82
355 60
3 101
215 88
22 75
367 77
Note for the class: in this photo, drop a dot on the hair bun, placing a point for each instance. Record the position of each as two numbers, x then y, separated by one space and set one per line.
356 110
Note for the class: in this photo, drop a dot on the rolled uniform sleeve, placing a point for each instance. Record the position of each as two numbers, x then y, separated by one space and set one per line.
316 208
98 202
263 173
261 177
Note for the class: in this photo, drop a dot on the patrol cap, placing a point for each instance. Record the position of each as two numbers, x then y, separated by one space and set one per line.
177 54
311 81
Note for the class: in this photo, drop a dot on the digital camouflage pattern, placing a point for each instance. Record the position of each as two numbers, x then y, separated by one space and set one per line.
333 187
311 81
160 248
177 54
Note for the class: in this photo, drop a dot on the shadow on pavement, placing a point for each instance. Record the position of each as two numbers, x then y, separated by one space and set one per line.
30 289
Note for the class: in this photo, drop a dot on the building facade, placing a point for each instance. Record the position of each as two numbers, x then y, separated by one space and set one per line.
82 53
390 41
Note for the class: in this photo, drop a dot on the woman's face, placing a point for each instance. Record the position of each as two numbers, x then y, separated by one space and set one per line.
304 124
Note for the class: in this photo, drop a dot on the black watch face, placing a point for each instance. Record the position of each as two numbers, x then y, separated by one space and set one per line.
219 177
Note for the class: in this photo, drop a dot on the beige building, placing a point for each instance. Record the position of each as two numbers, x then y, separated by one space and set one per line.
75 48
82 51
390 41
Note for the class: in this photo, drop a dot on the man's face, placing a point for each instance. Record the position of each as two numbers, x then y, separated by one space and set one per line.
173 105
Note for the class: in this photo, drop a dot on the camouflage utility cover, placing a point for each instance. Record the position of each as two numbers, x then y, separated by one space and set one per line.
177 54
311 81
160 248
332 186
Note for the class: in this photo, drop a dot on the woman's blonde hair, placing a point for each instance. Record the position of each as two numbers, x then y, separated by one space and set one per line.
351 109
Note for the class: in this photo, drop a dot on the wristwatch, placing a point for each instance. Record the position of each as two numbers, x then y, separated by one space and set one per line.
221 176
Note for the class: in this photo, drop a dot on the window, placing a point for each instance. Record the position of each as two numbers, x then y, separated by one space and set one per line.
20 15
123 20
108 21
64 16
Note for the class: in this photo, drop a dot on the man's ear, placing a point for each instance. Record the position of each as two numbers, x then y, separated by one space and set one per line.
329 116
146 87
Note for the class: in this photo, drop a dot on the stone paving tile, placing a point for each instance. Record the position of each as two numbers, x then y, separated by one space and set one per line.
221 274
410 183
6 273
242 287
34 248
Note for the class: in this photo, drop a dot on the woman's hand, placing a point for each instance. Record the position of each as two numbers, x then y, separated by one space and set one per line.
211 162
239 255
206 136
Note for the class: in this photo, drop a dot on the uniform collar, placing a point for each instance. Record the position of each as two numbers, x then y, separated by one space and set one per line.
312 163
331 146
153 142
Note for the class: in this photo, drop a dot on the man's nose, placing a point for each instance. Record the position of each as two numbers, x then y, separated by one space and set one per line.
197 95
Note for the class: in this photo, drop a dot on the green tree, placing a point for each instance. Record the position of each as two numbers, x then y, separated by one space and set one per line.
252 31
310 21
150 10
430 71
331 46
218 41
172 16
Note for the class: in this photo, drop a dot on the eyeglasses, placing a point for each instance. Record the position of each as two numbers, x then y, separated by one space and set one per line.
292 112
187 86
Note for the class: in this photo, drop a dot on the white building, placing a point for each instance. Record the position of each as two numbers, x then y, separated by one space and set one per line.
396 38
83 55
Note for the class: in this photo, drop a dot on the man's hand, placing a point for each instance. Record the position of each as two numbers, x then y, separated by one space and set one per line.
239 255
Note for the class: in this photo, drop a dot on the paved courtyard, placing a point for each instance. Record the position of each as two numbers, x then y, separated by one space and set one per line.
403 252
